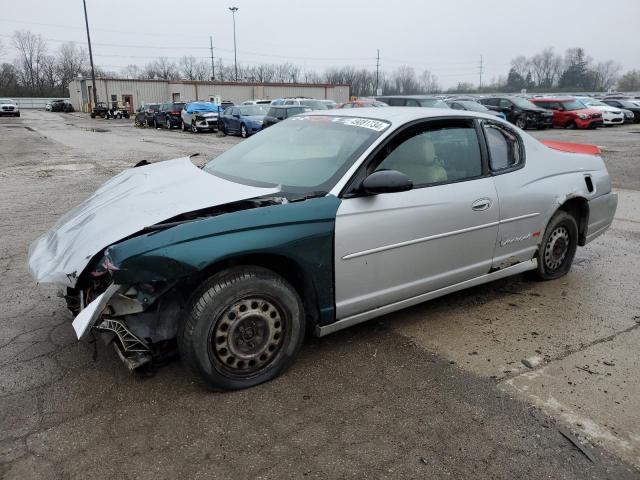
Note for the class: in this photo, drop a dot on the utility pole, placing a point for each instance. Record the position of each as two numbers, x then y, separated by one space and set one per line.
235 51
377 71
481 67
93 72
213 68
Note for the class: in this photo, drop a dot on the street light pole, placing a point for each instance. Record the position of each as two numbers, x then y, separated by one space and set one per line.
235 51
93 72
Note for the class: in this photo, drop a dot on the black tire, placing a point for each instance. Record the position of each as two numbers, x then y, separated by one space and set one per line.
93 115
244 133
137 122
521 122
194 128
223 129
155 123
228 315
558 247
183 126
168 123
571 125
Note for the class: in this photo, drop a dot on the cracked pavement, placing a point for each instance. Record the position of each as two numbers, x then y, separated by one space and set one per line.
434 391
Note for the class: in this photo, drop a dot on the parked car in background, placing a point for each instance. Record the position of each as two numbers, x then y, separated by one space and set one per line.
326 221
144 114
520 111
330 104
627 105
471 105
243 120
200 116
412 101
9 108
58 106
610 115
256 102
309 102
363 103
168 115
277 113
569 112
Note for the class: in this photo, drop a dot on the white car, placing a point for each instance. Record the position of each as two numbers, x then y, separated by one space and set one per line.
256 102
9 108
200 116
610 115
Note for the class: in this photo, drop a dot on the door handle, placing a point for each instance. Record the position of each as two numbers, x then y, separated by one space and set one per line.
481 204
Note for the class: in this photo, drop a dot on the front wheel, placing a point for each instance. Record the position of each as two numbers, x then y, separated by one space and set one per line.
521 122
244 326
558 247
194 129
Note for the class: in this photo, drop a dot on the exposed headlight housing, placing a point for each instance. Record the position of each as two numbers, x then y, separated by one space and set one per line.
583 116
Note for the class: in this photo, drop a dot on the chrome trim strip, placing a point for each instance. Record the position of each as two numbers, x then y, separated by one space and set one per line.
392 307
521 217
406 243
417 240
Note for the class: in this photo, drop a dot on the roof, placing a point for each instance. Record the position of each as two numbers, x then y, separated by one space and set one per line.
552 99
398 115
418 97
206 82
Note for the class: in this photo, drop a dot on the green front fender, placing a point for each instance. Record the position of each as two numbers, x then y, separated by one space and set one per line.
301 234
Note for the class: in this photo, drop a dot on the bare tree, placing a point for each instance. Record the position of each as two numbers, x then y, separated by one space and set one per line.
630 81
70 62
546 67
32 50
133 71
405 80
161 68
605 74
429 82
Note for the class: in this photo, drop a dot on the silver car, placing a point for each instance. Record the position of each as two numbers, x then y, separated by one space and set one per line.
322 221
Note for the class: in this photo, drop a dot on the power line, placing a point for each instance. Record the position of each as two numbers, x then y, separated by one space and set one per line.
480 84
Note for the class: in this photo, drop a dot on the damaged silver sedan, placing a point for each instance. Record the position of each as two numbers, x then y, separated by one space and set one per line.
320 222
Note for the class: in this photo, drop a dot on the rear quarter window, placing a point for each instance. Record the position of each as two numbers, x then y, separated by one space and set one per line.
505 148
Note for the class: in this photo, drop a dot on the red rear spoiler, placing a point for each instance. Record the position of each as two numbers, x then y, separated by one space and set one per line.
572 147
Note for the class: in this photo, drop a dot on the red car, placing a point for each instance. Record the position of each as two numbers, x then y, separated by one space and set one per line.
570 113
363 103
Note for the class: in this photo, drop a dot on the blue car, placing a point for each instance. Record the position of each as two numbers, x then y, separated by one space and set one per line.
244 120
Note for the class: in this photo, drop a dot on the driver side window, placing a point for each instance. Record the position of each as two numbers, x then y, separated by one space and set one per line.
433 154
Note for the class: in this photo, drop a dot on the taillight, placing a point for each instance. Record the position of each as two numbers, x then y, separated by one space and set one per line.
175 113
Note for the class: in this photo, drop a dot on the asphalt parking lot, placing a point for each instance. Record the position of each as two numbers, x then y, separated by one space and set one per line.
435 391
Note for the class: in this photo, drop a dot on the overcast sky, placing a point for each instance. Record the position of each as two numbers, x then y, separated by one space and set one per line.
445 36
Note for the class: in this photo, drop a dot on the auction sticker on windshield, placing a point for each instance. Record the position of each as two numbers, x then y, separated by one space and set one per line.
376 125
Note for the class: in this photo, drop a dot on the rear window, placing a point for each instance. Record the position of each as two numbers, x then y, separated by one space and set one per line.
177 106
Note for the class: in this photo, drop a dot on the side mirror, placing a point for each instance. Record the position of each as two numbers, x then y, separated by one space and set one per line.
386 181
236 115
506 109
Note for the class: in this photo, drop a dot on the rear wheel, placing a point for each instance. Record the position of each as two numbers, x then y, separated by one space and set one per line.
571 125
168 123
155 123
244 326
243 131
558 247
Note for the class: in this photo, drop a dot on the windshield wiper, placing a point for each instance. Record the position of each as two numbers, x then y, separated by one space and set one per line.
307 196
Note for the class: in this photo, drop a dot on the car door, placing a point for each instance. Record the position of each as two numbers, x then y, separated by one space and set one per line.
522 202
395 246
506 106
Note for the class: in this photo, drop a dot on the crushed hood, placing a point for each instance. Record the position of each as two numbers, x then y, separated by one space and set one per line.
130 201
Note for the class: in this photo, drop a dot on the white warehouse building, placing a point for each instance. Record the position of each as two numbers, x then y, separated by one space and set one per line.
132 93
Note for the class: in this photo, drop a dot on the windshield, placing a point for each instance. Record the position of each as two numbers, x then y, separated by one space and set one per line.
301 155
522 103
572 105
628 104
254 110
473 106
590 102
315 104
433 103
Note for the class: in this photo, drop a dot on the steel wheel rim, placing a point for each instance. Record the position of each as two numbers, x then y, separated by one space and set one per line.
556 248
248 336
243 131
